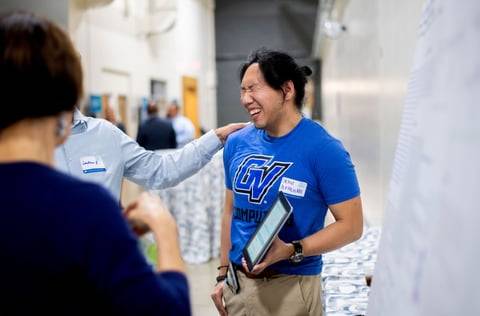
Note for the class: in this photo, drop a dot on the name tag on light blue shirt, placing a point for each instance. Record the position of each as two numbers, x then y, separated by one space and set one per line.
92 164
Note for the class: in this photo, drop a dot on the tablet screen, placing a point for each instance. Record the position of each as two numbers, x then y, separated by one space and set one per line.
268 229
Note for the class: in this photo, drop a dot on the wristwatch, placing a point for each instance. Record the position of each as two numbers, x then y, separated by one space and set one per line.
297 256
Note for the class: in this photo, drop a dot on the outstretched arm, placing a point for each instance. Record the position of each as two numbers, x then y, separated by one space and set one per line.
157 171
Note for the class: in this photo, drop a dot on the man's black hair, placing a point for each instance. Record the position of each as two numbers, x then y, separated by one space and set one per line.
277 68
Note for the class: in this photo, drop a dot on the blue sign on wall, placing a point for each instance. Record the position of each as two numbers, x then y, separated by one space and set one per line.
95 103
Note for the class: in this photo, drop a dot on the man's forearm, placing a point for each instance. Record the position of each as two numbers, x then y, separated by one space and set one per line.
347 228
158 171
225 243
332 237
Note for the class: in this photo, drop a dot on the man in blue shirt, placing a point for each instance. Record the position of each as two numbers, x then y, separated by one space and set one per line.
283 151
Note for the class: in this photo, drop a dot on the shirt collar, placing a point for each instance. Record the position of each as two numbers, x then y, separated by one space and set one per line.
79 124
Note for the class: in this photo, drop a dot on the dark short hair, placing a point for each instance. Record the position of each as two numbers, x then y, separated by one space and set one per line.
277 68
40 71
152 108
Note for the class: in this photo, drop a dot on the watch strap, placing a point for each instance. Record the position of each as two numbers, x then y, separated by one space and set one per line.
297 246
220 278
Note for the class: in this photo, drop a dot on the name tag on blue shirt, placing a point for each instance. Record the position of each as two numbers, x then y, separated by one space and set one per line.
92 164
293 187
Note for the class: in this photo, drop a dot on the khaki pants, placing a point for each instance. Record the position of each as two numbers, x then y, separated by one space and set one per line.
288 295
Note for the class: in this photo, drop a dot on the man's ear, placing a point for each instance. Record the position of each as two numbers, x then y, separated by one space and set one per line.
288 90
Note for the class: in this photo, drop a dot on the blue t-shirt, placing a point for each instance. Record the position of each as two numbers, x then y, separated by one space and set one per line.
66 250
310 166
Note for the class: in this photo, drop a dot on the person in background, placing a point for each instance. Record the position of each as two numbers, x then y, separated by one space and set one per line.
112 118
66 249
183 127
283 151
156 133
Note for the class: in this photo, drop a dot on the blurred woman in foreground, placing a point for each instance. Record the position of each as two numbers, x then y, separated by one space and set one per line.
66 248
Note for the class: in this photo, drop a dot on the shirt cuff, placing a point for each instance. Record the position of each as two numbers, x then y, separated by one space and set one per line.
211 142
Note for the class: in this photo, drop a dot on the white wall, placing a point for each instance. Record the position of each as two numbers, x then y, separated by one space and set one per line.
364 84
118 55
195 39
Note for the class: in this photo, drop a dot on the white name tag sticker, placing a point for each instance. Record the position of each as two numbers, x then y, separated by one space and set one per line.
92 164
293 187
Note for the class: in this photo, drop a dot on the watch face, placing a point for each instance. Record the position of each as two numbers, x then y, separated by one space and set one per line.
298 254
296 258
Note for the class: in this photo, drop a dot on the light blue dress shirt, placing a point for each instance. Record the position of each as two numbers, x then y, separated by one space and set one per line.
99 152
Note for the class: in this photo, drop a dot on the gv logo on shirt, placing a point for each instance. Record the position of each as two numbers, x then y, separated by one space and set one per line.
256 175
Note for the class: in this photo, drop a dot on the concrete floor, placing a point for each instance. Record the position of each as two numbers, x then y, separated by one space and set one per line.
201 278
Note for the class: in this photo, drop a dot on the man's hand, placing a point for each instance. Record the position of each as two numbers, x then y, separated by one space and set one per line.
223 132
278 251
217 297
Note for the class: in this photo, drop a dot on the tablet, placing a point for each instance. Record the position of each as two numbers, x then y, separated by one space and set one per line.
266 232
232 278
